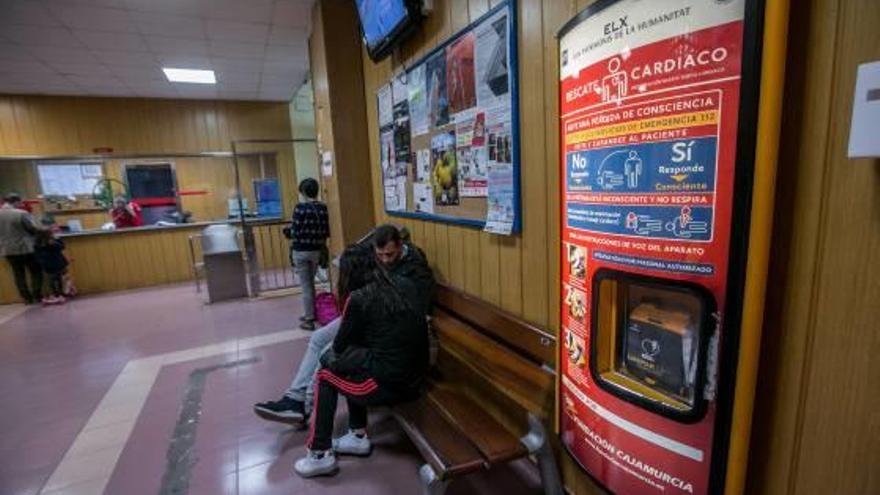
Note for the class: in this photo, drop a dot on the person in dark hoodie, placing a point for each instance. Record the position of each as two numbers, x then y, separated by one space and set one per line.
49 251
379 357
405 263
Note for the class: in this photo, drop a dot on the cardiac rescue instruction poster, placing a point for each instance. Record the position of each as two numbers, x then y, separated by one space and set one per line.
649 100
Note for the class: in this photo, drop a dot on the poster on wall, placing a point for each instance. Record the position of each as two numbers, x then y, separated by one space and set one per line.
501 213
423 166
649 99
472 155
423 197
444 174
386 153
460 115
492 81
395 194
400 113
418 101
438 101
385 106
460 83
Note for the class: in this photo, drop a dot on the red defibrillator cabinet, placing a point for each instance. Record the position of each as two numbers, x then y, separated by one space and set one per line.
658 128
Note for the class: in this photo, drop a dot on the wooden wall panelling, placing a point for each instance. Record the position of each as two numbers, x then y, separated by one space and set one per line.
370 81
323 125
472 273
340 114
534 167
48 125
819 433
8 292
23 117
6 125
555 14
127 260
839 446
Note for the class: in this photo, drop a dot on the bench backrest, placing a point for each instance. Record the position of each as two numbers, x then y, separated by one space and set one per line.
521 336
514 356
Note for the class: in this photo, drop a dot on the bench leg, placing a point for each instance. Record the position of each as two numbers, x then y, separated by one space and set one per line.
431 483
537 443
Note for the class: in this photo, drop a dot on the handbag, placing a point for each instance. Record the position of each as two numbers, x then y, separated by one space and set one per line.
326 309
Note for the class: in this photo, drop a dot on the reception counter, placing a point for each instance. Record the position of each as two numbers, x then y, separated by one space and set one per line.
105 261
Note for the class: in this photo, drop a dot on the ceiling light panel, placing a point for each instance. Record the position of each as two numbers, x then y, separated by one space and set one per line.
195 76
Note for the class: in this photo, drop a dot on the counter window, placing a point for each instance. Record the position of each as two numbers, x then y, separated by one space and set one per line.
649 339
69 179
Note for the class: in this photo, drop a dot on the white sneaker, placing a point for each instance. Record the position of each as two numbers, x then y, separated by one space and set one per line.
351 444
316 463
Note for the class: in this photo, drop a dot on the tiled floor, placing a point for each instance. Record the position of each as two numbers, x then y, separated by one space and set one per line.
94 390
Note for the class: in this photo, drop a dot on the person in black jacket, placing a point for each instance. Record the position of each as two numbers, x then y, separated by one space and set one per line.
379 357
49 252
310 228
406 263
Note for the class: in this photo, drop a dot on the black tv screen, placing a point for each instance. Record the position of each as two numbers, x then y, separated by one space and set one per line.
386 22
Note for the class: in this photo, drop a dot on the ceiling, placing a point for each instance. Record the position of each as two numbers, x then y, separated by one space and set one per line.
257 48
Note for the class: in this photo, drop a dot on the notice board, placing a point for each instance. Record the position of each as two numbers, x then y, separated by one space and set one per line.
658 104
449 130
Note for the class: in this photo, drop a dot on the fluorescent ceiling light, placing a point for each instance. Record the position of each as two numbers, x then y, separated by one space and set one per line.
197 76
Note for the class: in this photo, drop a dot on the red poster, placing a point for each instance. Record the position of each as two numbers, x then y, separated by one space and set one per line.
649 99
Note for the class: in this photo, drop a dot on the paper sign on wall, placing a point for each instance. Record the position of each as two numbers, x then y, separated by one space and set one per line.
865 127
327 163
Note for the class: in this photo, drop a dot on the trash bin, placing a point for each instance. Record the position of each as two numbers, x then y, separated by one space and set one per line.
224 265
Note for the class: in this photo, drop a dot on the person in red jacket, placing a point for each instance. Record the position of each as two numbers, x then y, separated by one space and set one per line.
125 214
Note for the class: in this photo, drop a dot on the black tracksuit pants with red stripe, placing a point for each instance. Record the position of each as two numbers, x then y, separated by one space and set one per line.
360 391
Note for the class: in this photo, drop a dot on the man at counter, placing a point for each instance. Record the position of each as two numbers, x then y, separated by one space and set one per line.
17 235
125 214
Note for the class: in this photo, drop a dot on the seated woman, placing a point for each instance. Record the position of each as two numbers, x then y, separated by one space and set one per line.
379 357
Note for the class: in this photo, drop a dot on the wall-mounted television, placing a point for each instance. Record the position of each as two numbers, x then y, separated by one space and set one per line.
385 23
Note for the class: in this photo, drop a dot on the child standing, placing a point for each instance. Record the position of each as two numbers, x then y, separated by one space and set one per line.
49 252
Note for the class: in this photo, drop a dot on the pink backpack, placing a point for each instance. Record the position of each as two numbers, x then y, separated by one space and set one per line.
325 308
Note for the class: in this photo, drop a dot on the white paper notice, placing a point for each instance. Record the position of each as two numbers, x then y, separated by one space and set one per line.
386 155
423 198
471 154
865 128
423 165
386 106
501 214
395 194
327 163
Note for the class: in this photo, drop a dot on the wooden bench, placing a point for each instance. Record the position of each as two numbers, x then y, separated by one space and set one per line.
452 429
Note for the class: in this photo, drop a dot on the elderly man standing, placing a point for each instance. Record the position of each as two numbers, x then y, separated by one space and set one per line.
17 230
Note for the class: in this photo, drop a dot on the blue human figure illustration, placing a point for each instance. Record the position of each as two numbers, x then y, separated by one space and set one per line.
632 168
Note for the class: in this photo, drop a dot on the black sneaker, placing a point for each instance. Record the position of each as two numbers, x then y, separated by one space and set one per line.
284 410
